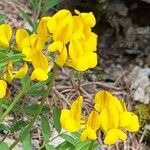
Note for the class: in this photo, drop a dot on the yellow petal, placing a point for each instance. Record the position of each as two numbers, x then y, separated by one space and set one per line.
39 74
68 122
42 30
39 60
62 57
113 135
55 46
88 133
90 43
28 53
75 50
3 87
8 76
21 72
104 120
129 121
102 99
5 35
37 43
93 121
61 14
65 114
21 34
51 24
88 19
76 108
64 32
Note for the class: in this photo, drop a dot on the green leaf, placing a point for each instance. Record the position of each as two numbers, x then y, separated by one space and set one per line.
4 146
26 17
12 57
49 147
65 146
52 3
45 127
69 138
2 18
25 80
33 109
34 3
4 127
26 139
19 125
56 119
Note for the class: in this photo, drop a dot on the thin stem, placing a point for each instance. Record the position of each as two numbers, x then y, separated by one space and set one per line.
91 145
50 85
15 101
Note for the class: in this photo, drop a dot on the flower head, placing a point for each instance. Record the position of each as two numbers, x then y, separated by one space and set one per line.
71 119
5 35
3 87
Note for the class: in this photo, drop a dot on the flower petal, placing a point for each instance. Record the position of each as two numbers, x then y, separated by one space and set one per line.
3 87
113 135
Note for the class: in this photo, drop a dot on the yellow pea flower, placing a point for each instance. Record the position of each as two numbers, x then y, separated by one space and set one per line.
21 72
71 119
39 74
93 124
21 39
42 30
88 18
84 62
113 135
61 50
114 116
63 32
128 120
8 76
39 60
5 35
3 88
104 99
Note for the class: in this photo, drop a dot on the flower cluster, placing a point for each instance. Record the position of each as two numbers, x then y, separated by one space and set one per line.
74 41
109 114
68 36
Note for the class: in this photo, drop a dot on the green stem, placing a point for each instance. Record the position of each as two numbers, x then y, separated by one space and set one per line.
50 85
91 145
15 101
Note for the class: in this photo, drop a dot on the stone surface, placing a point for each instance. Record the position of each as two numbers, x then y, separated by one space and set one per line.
140 83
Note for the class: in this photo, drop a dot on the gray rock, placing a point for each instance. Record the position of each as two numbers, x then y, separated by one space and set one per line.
130 36
118 6
140 83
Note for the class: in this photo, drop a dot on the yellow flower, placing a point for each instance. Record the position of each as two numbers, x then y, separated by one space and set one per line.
74 42
8 76
11 73
114 117
93 124
61 50
41 66
22 39
3 87
21 72
113 135
63 32
88 18
104 99
42 30
5 35
71 119
39 74
128 120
